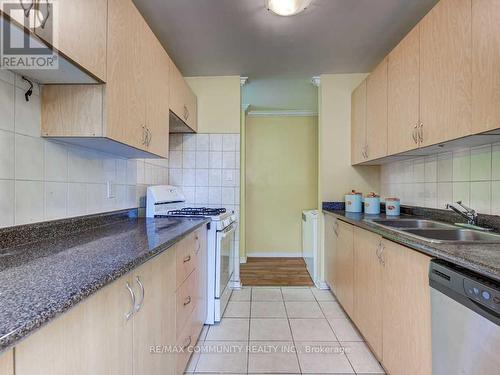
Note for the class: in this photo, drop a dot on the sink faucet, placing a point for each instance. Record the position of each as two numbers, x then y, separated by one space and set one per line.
464 211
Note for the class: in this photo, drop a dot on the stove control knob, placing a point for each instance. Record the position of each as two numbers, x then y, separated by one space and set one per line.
486 295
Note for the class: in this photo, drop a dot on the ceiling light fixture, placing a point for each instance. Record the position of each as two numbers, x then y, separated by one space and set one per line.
287 7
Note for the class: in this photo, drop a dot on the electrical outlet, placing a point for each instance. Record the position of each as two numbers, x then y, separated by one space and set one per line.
110 189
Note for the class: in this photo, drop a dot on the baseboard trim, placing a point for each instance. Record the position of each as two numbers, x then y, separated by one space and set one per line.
274 255
321 285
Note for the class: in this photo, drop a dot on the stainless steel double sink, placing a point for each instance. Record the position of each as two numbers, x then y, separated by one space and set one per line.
437 232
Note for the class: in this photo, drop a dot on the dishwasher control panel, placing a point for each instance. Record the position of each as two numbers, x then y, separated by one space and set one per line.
483 294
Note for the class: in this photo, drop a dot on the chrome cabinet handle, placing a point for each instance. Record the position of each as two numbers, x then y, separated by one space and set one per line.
421 133
197 238
43 20
414 135
148 137
187 259
187 301
382 259
141 303
143 135
132 296
184 347
335 228
26 9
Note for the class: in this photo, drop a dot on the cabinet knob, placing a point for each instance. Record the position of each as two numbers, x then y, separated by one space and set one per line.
187 259
187 301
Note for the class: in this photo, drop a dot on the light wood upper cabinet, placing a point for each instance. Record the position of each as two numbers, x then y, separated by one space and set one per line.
406 311
7 363
358 124
125 99
368 289
403 94
331 230
154 321
344 267
446 72
485 65
80 32
92 338
376 112
130 113
157 66
183 102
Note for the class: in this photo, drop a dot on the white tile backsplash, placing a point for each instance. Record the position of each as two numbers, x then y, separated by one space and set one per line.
41 179
471 175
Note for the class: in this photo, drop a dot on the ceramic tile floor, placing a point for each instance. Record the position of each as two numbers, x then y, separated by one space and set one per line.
287 330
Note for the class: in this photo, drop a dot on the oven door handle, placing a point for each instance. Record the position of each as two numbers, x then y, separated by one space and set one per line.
227 231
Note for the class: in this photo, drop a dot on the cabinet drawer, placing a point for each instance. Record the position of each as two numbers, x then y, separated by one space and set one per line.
187 256
188 337
186 298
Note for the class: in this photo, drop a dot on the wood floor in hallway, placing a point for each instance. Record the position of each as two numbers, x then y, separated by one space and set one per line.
275 272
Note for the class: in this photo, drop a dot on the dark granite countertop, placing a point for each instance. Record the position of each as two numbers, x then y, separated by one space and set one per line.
41 280
481 258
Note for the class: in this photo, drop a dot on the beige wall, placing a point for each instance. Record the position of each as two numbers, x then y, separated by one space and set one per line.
219 103
337 176
281 181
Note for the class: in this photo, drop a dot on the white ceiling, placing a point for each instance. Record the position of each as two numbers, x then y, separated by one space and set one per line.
240 37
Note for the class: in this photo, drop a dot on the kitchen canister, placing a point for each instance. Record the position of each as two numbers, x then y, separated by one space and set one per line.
392 206
354 202
372 204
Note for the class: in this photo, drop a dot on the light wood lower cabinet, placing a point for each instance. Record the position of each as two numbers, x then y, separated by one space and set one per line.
406 311
154 322
331 232
7 363
368 290
109 334
92 338
384 289
344 267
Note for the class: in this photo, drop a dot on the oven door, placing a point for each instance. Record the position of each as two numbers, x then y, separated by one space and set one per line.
224 260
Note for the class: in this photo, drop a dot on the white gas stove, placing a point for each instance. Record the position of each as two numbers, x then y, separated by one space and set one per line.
222 256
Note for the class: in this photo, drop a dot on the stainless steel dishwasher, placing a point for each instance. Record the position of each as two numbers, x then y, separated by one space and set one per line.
465 321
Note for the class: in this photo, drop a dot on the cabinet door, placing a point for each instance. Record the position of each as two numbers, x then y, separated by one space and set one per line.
368 287
92 338
7 363
331 225
183 102
485 63
446 72
344 269
125 99
154 320
376 112
201 254
406 311
157 114
358 124
403 94
80 31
